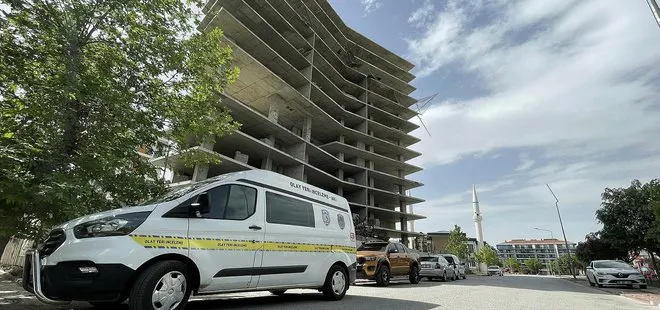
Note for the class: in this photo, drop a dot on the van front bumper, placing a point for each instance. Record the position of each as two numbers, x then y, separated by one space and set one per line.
75 280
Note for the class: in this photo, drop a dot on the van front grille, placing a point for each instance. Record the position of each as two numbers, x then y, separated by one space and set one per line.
55 239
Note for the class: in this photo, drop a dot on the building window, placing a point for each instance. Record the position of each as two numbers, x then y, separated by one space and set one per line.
288 211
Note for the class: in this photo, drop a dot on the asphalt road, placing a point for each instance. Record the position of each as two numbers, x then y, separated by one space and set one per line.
477 292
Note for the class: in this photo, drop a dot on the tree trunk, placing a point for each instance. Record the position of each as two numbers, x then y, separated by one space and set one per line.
3 243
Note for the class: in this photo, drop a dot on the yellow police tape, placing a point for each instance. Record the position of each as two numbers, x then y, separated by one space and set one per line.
169 242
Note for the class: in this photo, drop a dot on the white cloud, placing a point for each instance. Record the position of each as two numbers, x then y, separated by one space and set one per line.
370 5
525 162
420 16
573 78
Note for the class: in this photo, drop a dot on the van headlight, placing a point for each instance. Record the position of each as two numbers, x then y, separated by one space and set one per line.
118 225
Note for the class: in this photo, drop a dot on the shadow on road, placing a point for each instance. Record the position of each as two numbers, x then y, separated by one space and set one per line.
308 301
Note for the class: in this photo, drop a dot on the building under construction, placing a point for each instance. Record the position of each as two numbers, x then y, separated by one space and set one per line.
317 102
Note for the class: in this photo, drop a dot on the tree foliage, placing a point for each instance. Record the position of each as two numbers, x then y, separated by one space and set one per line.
512 264
628 217
83 84
561 264
594 247
534 265
487 256
457 243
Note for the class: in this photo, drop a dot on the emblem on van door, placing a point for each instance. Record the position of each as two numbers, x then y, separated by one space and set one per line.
326 217
340 221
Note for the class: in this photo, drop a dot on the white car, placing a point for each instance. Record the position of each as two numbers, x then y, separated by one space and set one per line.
455 262
613 272
245 231
495 271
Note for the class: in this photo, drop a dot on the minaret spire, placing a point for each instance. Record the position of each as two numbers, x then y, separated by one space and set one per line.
477 217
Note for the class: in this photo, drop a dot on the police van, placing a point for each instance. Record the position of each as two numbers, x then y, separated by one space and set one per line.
244 231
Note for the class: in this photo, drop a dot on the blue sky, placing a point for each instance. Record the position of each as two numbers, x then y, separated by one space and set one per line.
564 92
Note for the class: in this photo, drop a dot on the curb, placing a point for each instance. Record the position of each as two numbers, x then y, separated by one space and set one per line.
632 296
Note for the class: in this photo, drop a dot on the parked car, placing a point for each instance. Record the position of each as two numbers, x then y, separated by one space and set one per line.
436 267
455 262
614 272
495 271
245 231
382 260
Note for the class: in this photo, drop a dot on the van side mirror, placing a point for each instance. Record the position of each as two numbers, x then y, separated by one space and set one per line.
201 205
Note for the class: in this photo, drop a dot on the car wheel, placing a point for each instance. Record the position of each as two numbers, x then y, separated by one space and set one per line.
164 285
642 286
413 276
590 283
383 276
336 283
278 292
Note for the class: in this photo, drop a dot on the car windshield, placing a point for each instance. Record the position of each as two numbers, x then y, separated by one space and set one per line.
611 264
429 259
380 247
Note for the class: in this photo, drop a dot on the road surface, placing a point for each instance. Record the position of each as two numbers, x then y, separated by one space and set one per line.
477 292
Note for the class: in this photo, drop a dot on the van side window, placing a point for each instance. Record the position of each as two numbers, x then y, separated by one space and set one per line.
231 202
288 211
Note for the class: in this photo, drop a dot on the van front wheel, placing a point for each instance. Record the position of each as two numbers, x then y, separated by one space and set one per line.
336 283
164 285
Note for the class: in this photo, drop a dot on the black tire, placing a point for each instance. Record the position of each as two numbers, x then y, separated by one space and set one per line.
141 293
278 292
383 276
642 286
413 276
328 290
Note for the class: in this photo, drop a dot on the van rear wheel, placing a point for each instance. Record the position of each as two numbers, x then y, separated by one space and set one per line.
336 283
163 286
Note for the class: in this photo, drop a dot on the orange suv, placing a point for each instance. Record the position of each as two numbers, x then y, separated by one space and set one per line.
382 260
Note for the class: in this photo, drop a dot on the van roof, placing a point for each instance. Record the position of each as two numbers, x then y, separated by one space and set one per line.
270 179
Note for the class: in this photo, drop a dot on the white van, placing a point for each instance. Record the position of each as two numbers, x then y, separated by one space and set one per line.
245 231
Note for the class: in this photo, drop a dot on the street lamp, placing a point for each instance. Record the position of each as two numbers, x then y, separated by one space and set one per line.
553 245
655 9
568 251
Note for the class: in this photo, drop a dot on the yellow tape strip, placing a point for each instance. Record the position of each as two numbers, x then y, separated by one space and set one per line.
236 245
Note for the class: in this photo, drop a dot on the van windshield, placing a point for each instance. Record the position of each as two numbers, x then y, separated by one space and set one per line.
178 192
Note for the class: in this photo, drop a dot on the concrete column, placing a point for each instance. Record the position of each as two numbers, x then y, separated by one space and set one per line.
361 145
200 172
340 174
371 148
296 172
371 182
340 156
267 163
362 111
340 191
341 139
399 157
372 200
362 127
307 128
297 151
400 173
273 113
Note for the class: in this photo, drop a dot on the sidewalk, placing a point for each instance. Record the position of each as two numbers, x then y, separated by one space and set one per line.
649 295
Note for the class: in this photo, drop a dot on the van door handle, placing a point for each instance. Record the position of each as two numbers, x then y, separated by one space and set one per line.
255 227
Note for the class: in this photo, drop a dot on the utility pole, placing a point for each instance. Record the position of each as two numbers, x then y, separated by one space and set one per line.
655 9
568 250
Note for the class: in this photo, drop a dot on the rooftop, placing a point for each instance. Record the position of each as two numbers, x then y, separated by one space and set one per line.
534 241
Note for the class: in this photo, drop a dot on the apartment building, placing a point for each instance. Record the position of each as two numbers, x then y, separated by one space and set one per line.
317 102
545 250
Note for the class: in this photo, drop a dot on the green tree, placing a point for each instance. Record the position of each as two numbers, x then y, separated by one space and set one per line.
534 265
594 247
561 266
487 256
512 264
628 217
457 243
83 84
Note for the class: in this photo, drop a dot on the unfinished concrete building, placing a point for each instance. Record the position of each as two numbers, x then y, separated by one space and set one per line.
317 102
